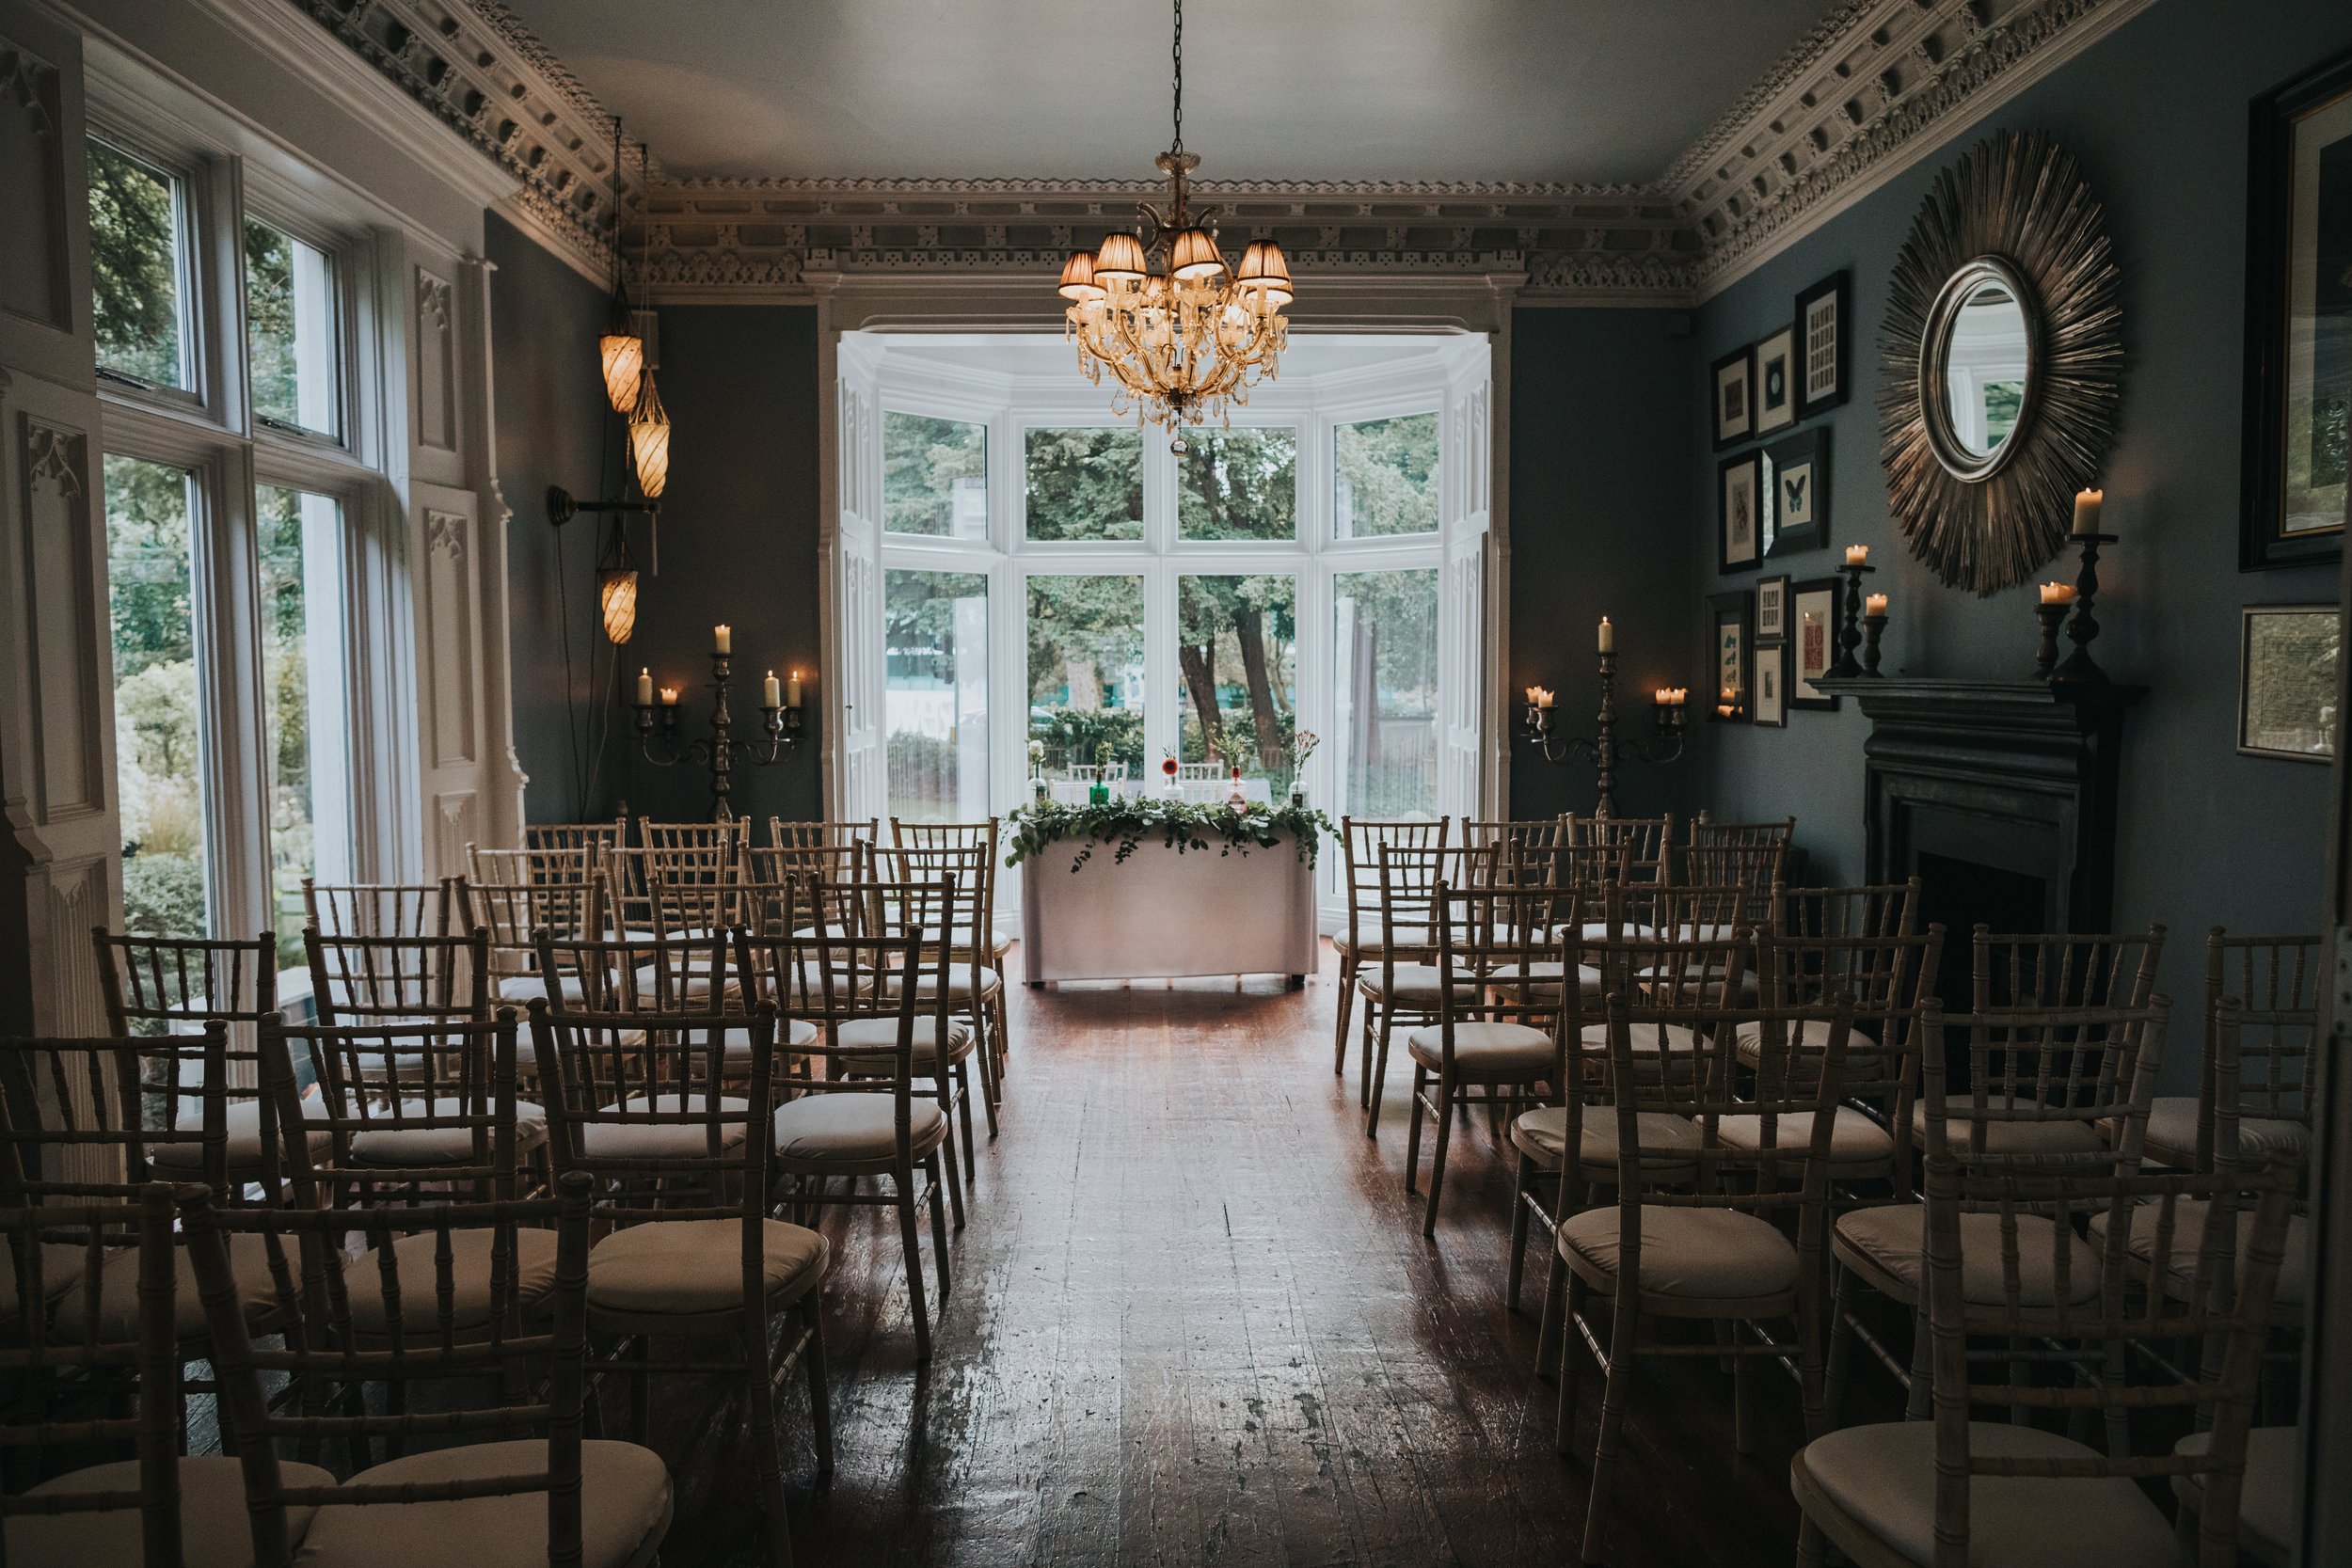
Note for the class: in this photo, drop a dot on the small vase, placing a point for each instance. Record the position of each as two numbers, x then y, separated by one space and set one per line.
1038 790
1299 797
1098 794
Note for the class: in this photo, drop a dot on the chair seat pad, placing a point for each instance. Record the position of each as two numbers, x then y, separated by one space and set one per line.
244 1123
1854 1139
1486 1048
2171 1136
1883 1477
1667 1141
214 1531
1892 1238
792 1033
672 1140
390 1144
1545 976
880 1035
682 1270
117 1321
2056 1136
961 986
1645 1039
2189 1233
1812 1035
416 1274
1687 1254
2268 1520
530 987
1416 984
60 1266
624 1511
822 1127
1372 937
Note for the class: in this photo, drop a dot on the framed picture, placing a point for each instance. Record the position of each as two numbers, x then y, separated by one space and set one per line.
1771 685
2298 322
1771 609
1821 354
1796 506
2286 682
1732 651
1734 381
1775 382
1812 642
1738 492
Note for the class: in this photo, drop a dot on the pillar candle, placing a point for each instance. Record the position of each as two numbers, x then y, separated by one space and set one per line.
1608 635
792 690
1857 555
722 640
669 696
644 688
2058 593
1876 604
771 695
2087 504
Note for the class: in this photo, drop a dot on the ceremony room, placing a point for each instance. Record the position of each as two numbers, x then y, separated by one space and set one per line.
1165 784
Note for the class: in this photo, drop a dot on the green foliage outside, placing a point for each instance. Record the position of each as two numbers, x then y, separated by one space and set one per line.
158 759
270 321
286 672
135 281
1386 473
1245 627
1085 645
1238 485
1084 484
2003 402
922 460
2332 438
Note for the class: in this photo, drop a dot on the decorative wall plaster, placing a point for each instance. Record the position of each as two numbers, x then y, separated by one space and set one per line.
33 269
68 754
437 363
449 656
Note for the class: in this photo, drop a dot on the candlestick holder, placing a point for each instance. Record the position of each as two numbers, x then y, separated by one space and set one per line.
2079 665
657 739
1873 626
1850 623
2046 656
1603 749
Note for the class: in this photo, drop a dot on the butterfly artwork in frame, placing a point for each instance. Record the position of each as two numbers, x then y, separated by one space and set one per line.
1799 507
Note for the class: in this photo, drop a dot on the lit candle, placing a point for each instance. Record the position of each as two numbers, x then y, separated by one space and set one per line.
771 692
644 688
1857 555
2087 507
1543 696
1608 635
1875 605
2058 593
669 696
792 690
1531 695
722 640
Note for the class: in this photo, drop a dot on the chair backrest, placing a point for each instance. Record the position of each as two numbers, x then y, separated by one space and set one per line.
97 1117
561 863
979 839
845 861
514 913
1678 911
377 908
53 1250
176 985
403 1109
1499 955
2277 983
706 844
2055 970
1887 982
2055 1085
1755 865
358 980
596 838
1706 833
1647 842
821 835
1861 913
2222 1306
1361 842
963 873
1407 883
403 1307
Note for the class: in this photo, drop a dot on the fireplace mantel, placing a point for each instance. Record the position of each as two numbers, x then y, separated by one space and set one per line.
2015 776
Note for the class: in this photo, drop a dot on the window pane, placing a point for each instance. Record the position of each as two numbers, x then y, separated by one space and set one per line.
1238 485
159 762
1085 483
1237 662
935 697
934 477
1384 692
136 251
302 701
1086 669
290 328
1387 476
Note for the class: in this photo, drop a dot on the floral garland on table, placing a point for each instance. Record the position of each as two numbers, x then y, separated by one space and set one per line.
1180 826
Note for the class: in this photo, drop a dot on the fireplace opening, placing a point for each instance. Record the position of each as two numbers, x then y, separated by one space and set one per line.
1960 894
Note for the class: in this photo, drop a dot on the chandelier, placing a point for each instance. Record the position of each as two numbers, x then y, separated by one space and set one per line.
1184 335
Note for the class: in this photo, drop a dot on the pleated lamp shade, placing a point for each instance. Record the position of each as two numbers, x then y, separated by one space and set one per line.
1078 279
1195 257
1120 259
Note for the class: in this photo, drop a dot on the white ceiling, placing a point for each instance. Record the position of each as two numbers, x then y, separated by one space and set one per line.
1566 90
1046 357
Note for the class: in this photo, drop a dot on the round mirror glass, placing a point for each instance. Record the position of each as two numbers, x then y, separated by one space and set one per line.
1985 353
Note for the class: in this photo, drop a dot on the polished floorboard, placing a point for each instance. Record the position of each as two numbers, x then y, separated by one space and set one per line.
1195 1322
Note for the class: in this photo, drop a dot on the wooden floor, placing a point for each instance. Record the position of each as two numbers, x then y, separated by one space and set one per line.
1195 1321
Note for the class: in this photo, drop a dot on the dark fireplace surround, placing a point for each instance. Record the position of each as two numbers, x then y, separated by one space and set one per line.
1986 790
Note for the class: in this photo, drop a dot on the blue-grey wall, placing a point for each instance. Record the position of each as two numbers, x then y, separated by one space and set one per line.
2158 114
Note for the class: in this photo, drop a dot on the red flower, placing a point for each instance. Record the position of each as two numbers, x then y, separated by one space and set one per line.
1168 765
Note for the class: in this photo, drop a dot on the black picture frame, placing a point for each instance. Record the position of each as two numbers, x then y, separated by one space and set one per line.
1776 381
2272 496
1824 354
2294 668
1731 651
1773 591
1734 372
1740 512
1815 595
1771 708
1802 459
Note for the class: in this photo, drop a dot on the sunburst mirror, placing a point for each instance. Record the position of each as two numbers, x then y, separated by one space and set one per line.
2001 362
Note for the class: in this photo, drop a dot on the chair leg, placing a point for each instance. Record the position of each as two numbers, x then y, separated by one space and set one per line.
1743 1411
1412 1128
1518 1235
820 1397
1447 1094
963 1093
984 1053
907 1236
1569 1292
1812 1545
939 1231
1915 1407
1363 1067
766 1454
1379 1075
1348 1007
1616 1392
954 1172
640 1389
1840 1351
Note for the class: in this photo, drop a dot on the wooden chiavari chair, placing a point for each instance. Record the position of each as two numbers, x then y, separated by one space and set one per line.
985 837
1399 984
2043 970
1506 836
676 855
377 908
360 979
1706 833
513 914
841 835
597 837
560 864
1878 909
639 1103
1757 867
2276 982
975 989
1647 842
835 863
1360 879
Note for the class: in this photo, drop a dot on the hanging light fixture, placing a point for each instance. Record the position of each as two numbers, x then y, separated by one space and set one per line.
649 441
1182 335
619 348
616 587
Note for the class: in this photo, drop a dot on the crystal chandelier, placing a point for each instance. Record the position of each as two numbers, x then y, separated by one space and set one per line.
1184 335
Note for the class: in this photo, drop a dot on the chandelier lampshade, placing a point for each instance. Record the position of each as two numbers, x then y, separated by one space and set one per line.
616 595
649 441
622 354
1119 261
1077 278
1194 258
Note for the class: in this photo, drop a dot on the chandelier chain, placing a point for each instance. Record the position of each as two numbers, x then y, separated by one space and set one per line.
1176 52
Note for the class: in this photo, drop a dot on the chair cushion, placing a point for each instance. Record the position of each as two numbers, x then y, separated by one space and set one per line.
1686 1254
402 1147
117 1321
1892 1238
214 1529
1883 1478
1862 1057
1371 938
624 1511
1540 972
1857 1144
674 1140
530 987
60 1266
2172 1135
1416 984
679 1271
2269 1526
416 1274
881 1035
243 1122
2189 1233
960 983
1668 1142
1486 1048
792 1033
821 1127
2013 1137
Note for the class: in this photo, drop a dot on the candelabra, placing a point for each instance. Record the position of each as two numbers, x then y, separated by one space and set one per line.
1603 749
2052 616
1874 627
658 738
1850 624
2079 666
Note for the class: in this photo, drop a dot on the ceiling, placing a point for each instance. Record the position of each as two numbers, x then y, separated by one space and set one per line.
1047 356
1529 90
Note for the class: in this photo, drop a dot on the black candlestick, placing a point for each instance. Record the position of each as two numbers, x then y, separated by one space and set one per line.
1604 749
1850 627
722 750
2079 665
1873 626
2046 656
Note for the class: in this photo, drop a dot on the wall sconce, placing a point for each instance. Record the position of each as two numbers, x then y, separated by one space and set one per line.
779 719
617 570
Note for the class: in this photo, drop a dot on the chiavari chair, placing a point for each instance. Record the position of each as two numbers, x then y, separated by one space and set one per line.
1647 842
357 979
1876 909
869 969
377 908
1716 1249
514 915
1360 840
524 1485
1399 985
1757 867
975 987
562 865
639 1103
2276 982
1706 833
985 837
596 838
1506 836
780 862
828 834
